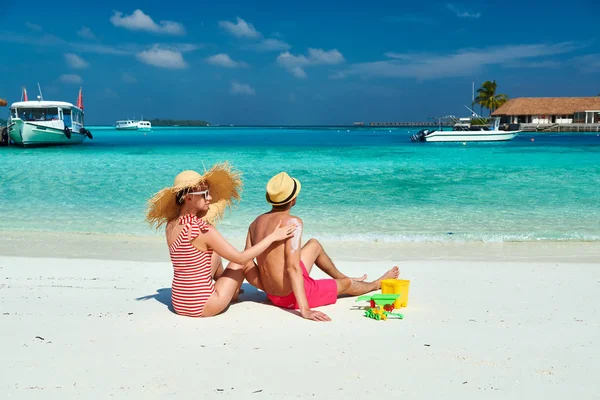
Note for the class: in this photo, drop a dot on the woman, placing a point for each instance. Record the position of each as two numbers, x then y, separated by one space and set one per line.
201 288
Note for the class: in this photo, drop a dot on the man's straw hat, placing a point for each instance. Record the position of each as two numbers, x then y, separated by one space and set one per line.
224 184
281 189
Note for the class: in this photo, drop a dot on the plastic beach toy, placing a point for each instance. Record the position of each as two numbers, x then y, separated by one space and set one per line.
381 306
396 286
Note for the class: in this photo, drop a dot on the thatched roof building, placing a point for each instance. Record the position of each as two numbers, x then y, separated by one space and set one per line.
550 110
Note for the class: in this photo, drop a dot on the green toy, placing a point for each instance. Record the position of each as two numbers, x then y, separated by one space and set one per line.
381 306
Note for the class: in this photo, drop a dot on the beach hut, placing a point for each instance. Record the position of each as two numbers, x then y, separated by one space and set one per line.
550 110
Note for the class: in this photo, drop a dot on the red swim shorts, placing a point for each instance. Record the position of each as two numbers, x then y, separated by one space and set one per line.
319 293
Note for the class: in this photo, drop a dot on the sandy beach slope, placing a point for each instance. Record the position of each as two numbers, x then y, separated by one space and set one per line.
96 329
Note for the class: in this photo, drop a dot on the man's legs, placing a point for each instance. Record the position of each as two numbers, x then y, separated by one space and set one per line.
351 287
313 254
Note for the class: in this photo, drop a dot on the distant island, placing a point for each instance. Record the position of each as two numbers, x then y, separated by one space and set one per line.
176 122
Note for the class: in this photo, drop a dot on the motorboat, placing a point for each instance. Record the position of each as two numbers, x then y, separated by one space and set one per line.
126 125
474 129
45 123
144 126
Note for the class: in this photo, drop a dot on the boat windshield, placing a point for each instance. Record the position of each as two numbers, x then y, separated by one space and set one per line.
38 114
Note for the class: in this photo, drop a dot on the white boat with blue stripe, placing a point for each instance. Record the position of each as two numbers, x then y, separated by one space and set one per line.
467 131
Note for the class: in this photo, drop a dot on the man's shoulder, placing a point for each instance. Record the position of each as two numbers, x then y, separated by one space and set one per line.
295 218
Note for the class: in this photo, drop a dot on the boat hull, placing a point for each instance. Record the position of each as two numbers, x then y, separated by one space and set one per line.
470 136
27 134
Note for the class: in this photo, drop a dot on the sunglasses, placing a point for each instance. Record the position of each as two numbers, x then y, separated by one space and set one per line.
204 192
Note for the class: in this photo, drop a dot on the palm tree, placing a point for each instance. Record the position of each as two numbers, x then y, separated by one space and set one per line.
487 97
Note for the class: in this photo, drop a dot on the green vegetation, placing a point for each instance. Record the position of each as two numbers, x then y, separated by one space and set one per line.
487 97
176 122
479 121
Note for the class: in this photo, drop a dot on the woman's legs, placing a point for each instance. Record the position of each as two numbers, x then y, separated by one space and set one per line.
226 287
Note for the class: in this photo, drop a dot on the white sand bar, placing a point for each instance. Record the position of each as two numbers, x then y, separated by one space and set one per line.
92 329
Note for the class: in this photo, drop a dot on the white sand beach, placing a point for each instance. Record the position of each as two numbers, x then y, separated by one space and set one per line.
99 327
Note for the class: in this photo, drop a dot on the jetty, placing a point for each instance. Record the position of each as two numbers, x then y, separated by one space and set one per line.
557 127
403 124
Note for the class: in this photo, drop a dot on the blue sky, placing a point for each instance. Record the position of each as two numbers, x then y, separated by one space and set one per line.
309 62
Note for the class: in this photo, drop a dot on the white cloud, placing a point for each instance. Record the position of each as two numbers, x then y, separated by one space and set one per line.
33 27
463 13
138 21
162 58
223 60
70 78
240 28
75 61
242 88
86 33
296 64
320 56
127 78
460 63
266 45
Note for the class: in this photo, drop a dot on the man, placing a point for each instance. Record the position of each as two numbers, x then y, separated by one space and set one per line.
282 270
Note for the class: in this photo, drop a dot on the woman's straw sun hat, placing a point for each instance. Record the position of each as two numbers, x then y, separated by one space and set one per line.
224 185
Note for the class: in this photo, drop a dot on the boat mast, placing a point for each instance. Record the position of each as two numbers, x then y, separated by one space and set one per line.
40 89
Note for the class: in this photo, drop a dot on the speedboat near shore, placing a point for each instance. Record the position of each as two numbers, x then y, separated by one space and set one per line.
465 130
46 123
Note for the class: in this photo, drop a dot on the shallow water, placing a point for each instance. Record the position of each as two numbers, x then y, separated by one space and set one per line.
357 183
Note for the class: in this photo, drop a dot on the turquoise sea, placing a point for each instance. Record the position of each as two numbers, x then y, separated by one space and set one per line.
357 183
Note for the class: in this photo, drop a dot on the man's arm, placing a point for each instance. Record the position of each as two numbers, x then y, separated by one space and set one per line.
292 250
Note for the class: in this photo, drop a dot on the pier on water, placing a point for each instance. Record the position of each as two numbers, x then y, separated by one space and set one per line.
403 124
576 127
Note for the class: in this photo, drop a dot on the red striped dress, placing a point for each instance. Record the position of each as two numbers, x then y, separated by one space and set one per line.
192 279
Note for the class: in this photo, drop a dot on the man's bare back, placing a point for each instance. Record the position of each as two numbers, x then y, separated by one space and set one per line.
271 263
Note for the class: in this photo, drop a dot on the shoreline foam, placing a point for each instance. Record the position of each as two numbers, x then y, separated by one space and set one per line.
141 248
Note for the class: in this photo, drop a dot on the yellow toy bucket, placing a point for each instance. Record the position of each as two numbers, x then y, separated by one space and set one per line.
396 286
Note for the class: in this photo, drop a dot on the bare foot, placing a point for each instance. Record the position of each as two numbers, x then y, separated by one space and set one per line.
361 279
391 274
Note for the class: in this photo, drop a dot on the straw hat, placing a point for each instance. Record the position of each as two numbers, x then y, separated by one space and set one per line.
225 186
281 189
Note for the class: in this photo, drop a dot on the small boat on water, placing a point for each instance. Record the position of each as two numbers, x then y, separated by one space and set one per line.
133 125
126 125
144 126
467 130
46 123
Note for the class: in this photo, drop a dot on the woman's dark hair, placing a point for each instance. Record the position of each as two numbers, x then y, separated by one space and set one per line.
181 195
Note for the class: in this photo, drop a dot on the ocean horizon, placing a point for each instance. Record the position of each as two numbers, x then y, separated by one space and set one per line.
358 183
